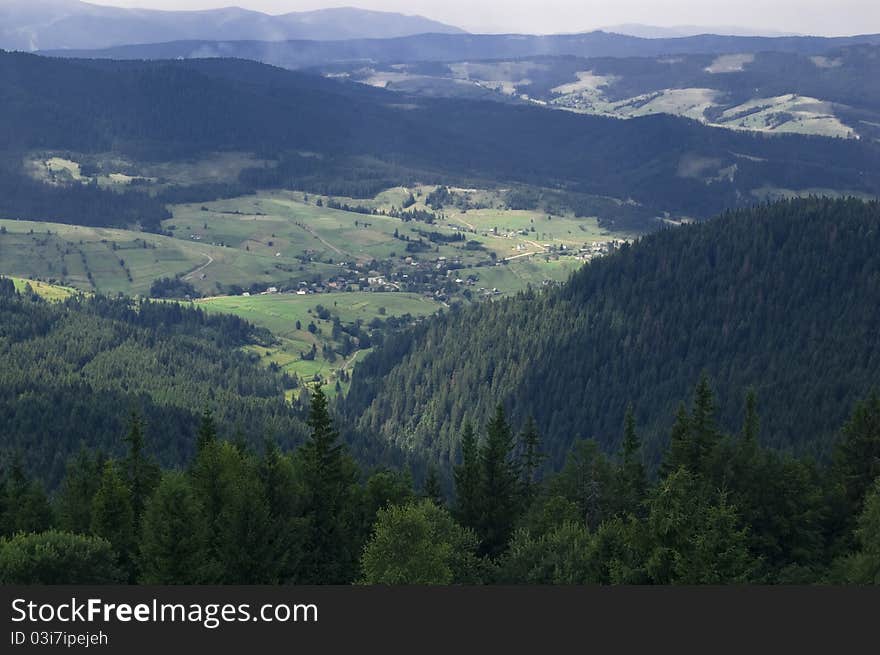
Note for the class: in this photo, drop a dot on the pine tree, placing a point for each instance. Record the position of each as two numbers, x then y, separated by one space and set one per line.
498 500
432 489
328 476
680 452
247 543
467 480
282 490
25 505
174 544
704 431
207 433
632 478
113 517
530 459
78 490
142 474
752 422
857 456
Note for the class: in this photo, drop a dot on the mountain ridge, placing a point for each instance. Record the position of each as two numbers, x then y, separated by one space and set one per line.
65 24
304 53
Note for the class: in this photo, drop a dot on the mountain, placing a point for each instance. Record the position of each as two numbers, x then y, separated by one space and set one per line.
783 298
652 167
656 32
764 91
49 24
460 47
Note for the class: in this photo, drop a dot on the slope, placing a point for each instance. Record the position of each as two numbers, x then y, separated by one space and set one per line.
784 298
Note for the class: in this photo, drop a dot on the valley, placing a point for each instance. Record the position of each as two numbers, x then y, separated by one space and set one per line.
355 297
275 257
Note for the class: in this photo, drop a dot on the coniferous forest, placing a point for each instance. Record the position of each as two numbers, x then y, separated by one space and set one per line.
158 479
721 509
784 298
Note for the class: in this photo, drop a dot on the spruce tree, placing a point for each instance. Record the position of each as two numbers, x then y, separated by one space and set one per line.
207 433
680 452
704 431
467 480
174 544
432 489
25 504
328 477
857 455
113 517
248 545
142 473
498 500
78 490
530 459
282 490
752 422
632 478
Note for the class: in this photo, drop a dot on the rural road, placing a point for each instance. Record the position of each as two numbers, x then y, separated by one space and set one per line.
326 243
199 269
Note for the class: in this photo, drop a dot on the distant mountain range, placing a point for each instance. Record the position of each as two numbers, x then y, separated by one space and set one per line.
775 92
656 32
459 47
60 24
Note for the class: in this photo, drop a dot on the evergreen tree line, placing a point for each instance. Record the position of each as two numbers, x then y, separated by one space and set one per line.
22 197
722 509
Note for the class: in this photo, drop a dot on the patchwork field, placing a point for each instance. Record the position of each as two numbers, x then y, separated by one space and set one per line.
111 260
335 268
290 225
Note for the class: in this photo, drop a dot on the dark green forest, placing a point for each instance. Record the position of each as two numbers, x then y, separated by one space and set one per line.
784 298
722 510
69 368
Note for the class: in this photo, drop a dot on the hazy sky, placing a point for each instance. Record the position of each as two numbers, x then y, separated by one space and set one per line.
825 17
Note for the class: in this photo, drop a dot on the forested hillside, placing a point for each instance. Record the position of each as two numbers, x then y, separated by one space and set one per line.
182 109
73 371
723 510
783 298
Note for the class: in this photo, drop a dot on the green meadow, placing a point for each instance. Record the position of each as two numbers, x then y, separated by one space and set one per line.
279 313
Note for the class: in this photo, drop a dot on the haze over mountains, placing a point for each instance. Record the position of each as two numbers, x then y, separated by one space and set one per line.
59 24
456 47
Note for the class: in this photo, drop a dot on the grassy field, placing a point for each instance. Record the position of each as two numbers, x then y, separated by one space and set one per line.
285 238
128 262
280 313
289 224
51 292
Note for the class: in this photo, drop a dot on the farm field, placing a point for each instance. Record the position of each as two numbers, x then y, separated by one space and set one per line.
50 292
290 224
112 261
358 267
280 313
